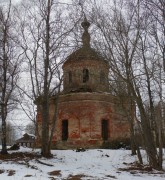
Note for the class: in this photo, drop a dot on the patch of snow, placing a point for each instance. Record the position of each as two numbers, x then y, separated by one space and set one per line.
96 164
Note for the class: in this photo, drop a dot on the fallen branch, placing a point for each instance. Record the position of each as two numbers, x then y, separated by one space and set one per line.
43 163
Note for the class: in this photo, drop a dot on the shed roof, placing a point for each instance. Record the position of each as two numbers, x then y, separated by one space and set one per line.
26 138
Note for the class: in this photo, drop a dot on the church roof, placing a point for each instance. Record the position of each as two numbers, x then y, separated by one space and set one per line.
85 52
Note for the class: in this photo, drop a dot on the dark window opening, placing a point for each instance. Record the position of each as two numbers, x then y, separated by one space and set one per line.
105 129
70 77
102 77
64 130
85 75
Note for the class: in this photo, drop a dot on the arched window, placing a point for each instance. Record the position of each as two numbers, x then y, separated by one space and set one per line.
85 75
102 77
70 76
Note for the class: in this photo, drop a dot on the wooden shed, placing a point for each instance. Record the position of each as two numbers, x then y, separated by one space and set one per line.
27 140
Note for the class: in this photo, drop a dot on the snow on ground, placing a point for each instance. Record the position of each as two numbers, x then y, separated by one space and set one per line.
98 164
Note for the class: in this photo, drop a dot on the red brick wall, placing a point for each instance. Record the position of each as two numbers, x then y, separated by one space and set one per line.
85 112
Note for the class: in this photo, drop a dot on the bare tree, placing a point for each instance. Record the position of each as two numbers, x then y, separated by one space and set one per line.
9 69
127 46
156 9
157 32
43 40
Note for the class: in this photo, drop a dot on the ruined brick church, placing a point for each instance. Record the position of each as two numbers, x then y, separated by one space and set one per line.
88 115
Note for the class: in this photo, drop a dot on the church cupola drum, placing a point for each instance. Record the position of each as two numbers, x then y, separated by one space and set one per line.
85 69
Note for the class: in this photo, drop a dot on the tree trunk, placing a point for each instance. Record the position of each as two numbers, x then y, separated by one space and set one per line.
54 117
45 106
146 129
45 150
132 138
4 147
149 141
139 154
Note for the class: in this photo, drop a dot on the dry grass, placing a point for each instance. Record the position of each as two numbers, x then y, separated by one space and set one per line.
16 156
55 173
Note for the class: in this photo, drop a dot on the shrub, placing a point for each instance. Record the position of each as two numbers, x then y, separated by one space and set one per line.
117 144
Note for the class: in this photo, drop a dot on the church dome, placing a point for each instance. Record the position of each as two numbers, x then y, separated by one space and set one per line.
85 52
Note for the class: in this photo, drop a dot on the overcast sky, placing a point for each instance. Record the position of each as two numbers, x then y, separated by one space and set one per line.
13 1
